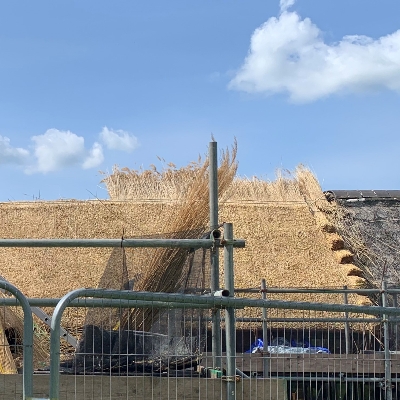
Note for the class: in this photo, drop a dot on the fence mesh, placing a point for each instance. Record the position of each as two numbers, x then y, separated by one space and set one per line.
145 340
287 354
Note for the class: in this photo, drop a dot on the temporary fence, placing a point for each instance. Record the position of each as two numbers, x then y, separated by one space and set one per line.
350 354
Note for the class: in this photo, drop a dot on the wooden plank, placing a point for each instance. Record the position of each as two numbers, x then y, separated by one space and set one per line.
395 363
328 363
118 387
310 363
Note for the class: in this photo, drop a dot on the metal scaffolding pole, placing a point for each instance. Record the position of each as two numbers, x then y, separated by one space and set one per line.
346 324
213 188
386 340
230 317
213 242
265 330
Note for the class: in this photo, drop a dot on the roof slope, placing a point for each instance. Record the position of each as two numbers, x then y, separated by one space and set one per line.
286 243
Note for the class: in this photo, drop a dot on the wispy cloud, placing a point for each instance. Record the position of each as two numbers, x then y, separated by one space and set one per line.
119 140
288 55
12 155
286 4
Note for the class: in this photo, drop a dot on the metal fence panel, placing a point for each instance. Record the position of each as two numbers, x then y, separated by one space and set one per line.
284 350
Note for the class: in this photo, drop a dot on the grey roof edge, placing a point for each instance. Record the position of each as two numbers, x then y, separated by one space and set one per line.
362 194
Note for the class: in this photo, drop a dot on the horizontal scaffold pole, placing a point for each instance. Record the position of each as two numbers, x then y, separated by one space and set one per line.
193 301
181 243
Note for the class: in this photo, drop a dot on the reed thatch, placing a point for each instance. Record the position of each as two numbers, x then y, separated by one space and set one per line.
11 322
287 236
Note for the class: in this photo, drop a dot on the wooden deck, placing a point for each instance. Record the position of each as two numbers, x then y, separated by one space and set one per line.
312 363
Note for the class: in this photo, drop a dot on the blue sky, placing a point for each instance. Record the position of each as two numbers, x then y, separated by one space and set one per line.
85 85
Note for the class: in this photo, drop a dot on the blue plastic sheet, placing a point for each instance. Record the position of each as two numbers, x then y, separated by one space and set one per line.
281 345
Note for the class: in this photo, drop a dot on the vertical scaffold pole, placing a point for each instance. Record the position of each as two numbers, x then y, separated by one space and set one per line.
386 341
346 324
213 188
230 316
265 330
395 325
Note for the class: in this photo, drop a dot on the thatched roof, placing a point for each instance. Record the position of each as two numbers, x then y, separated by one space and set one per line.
287 242
284 244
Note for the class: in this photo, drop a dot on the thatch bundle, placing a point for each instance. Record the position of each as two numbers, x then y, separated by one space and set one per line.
189 220
11 328
7 363
171 184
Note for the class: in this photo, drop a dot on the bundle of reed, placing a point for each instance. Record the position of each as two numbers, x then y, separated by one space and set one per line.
12 319
311 190
188 221
169 184
298 186
283 189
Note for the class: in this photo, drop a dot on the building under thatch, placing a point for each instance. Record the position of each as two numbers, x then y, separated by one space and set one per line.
288 240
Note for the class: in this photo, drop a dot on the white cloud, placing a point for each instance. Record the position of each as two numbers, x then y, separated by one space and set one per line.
57 149
119 140
95 157
286 4
288 55
12 155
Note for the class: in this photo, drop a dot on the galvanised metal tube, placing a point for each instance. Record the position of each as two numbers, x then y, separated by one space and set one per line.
386 341
27 378
320 290
230 333
264 327
395 328
181 243
213 184
346 324
305 320
223 302
344 379
213 201
301 290
54 389
101 303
